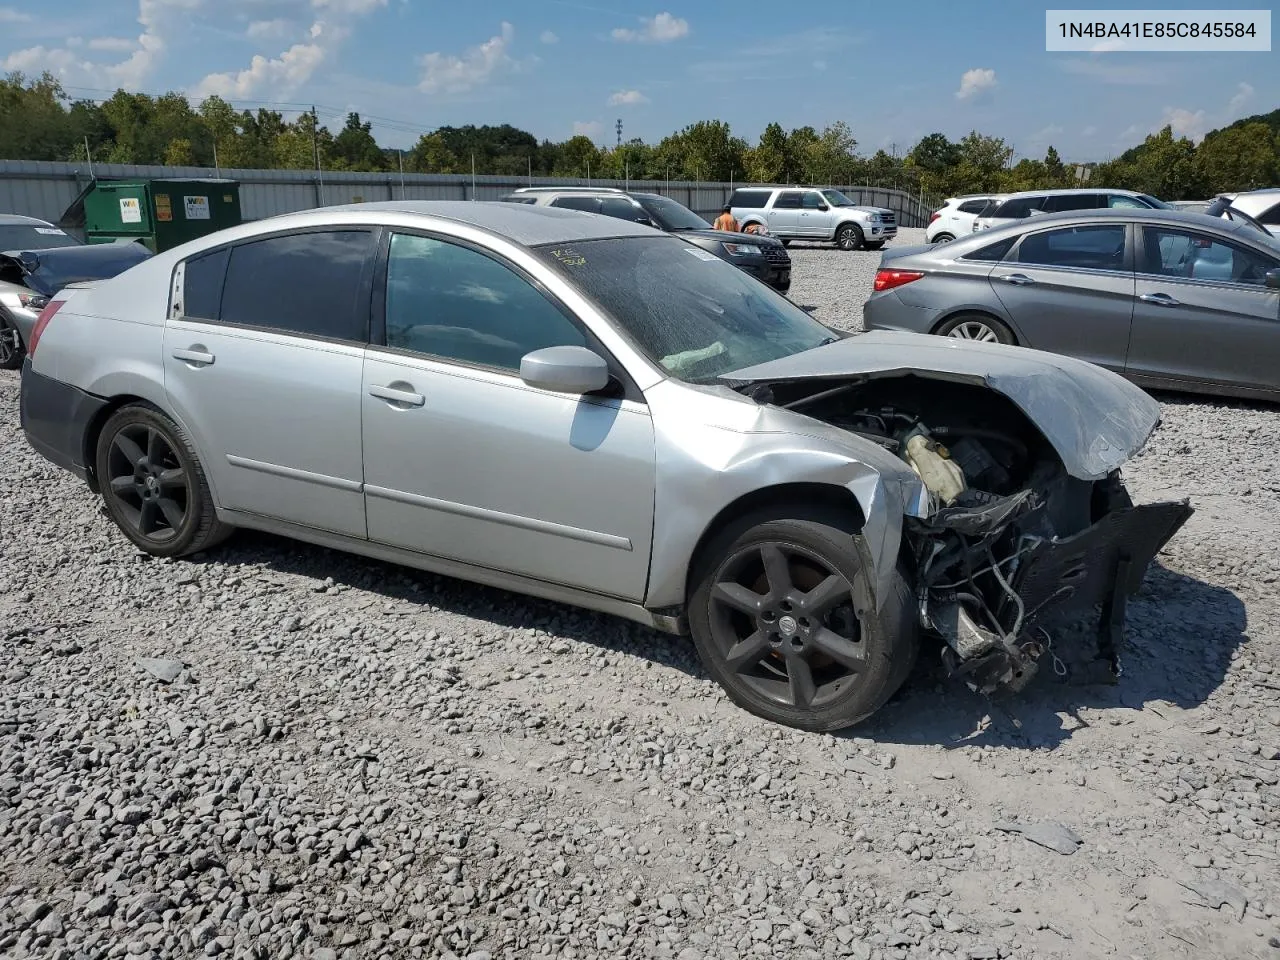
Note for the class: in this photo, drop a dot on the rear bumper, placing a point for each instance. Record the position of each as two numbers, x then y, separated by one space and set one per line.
55 417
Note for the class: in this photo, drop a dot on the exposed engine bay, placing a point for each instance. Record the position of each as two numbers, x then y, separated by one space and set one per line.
1016 556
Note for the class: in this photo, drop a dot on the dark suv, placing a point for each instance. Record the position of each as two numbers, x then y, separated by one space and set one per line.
763 257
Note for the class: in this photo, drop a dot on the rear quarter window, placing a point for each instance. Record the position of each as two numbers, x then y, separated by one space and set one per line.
202 280
749 199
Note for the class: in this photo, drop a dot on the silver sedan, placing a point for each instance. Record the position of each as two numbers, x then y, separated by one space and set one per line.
595 412
1169 299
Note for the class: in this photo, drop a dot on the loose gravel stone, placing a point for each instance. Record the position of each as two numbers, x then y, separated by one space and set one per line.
355 759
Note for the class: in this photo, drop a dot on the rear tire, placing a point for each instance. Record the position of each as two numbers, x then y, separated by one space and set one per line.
943 238
873 245
786 243
849 237
154 486
976 326
783 616
10 355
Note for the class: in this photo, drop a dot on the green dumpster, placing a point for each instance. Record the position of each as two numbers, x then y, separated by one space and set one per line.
160 213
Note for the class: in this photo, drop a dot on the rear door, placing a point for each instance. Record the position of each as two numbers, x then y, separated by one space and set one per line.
784 215
1203 312
1070 290
263 355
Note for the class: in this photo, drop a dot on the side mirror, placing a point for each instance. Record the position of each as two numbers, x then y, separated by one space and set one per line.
1273 278
823 206
565 370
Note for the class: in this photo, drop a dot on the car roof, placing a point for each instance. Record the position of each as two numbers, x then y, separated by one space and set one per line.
1067 191
527 224
14 219
1173 218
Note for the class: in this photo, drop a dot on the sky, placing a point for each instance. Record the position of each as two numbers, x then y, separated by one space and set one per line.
893 72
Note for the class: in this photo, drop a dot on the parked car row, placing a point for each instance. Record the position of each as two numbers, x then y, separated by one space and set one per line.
802 213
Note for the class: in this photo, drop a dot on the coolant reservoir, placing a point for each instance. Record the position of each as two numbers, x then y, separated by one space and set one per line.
941 475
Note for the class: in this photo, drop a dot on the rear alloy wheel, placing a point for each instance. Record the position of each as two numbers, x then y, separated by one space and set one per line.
783 618
153 484
849 237
11 350
977 326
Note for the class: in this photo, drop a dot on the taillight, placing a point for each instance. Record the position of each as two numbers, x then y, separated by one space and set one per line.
935 215
42 321
888 279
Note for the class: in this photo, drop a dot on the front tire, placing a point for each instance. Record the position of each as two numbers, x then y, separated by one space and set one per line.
977 326
154 486
783 616
943 238
849 237
11 348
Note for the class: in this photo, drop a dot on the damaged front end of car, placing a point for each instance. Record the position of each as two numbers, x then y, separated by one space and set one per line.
1030 545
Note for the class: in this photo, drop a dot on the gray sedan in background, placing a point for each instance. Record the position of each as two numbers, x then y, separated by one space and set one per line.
1169 299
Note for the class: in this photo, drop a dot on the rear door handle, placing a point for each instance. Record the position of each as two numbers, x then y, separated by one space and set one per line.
1017 279
392 395
1160 300
200 358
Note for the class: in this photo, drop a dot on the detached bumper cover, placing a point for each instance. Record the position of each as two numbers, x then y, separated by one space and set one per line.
55 417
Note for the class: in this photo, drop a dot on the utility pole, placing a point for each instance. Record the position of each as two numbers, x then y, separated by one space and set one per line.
401 155
618 126
530 159
473 175
88 156
315 146
217 171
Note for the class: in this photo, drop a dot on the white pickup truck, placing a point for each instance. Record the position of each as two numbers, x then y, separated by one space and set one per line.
810 213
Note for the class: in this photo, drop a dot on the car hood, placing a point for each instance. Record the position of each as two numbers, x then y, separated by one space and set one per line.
49 270
1094 419
728 236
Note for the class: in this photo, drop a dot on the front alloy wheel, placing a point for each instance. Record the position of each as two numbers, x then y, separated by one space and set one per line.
786 622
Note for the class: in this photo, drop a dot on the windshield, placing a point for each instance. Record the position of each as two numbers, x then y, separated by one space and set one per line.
33 236
670 215
1153 202
694 314
837 199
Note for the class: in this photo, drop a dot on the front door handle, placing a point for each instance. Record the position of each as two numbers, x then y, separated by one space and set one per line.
1160 300
1017 279
394 395
195 356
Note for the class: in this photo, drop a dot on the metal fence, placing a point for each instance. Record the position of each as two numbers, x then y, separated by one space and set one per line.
45 190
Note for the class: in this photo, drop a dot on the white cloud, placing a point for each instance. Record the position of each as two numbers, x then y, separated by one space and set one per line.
1192 124
1120 74
350 8
548 37
113 44
660 29
586 128
267 29
10 15
446 73
976 83
278 75
1244 93
627 98
61 63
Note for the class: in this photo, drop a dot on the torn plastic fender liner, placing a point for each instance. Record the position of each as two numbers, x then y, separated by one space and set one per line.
885 501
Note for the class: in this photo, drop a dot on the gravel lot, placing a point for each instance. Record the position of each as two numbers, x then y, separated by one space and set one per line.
360 761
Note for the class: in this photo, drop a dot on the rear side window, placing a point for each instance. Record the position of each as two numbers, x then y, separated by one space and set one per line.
992 252
586 204
1018 208
1121 202
749 199
308 283
202 285
1270 217
973 206
788 200
1072 201
1091 248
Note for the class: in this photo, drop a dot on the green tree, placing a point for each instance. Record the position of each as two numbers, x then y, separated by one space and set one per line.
179 153
934 160
706 150
1239 158
1163 166
578 158
430 155
34 125
831 158
1055 170
354 147
982 162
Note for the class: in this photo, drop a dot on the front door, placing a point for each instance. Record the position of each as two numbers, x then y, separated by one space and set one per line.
464 460
263 353
1070 290
814 220
1203 312
784 215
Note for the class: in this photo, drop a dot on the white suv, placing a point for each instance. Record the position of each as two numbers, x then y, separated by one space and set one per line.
1018 206
811 213
1262 205
954 219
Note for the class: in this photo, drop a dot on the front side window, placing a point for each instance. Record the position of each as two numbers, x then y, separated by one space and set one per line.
622 208
450 301
308 283
1091 248
812 201
836 198
1196 256
676 216
689 311
787 200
